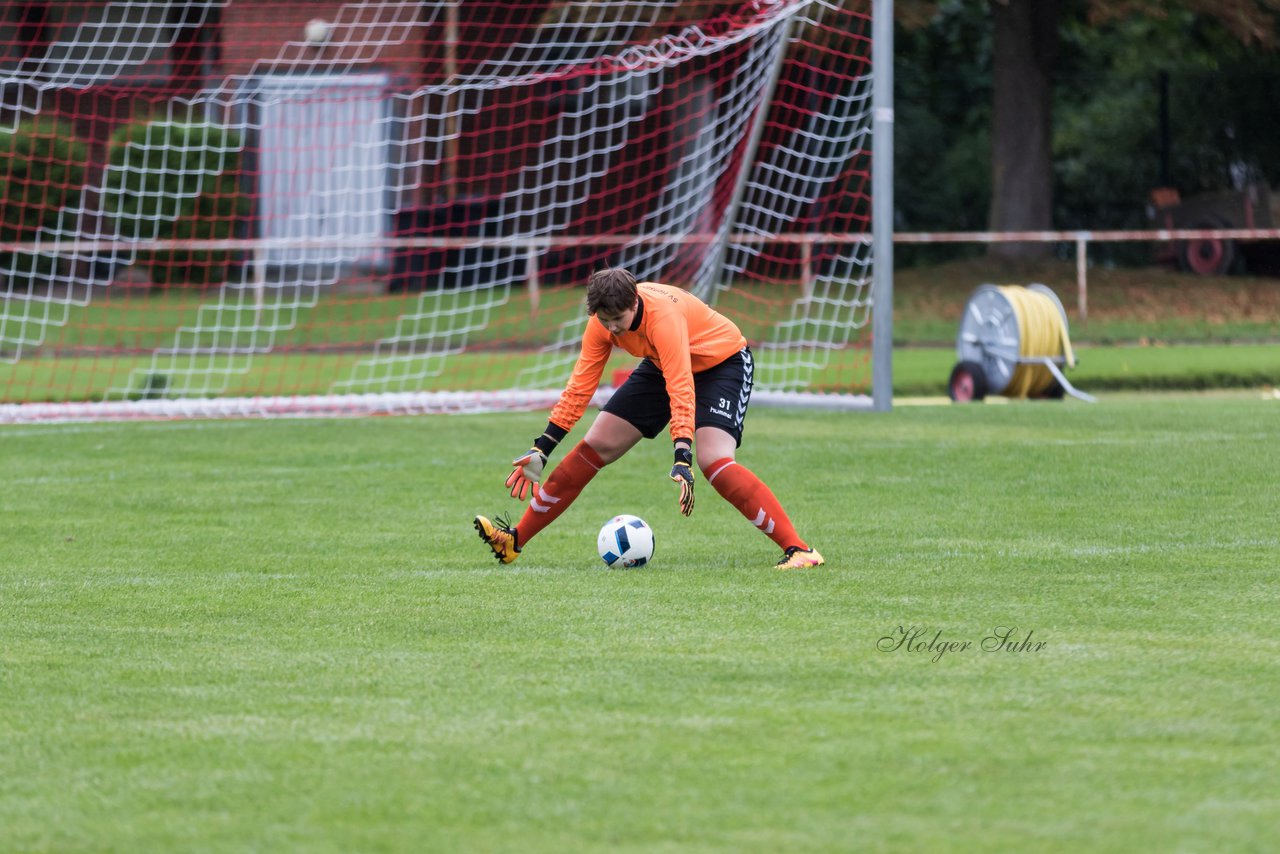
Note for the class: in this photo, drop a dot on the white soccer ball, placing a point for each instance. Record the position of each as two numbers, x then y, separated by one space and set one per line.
625 542
317 31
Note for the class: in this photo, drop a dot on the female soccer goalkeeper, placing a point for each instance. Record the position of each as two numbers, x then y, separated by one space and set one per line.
695 373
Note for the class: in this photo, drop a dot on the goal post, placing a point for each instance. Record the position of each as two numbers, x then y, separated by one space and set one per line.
882 126
220 208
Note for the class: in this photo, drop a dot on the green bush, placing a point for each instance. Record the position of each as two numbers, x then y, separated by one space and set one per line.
173 180
42 170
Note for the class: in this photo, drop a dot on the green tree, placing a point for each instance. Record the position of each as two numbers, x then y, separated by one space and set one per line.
942 70
43 173
177 180
1026 47
1108 148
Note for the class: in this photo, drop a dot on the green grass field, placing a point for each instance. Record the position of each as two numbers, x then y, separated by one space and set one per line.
285 636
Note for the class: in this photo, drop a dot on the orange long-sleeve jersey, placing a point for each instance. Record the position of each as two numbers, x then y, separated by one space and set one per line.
678 332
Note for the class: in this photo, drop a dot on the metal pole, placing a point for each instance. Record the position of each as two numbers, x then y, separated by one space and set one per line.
806 269
535 283
1082 282
882 205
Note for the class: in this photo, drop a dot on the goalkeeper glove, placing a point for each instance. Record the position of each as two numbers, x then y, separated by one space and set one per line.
682 473
523 481
528 472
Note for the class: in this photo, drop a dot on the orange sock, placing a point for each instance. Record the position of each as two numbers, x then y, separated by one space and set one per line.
741 488
558 491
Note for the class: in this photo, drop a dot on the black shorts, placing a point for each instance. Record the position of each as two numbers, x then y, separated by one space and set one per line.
721 397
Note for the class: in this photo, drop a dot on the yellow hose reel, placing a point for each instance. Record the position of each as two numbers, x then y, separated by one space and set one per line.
1013 341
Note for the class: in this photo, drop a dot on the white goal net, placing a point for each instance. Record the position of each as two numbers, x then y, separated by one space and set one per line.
223 207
